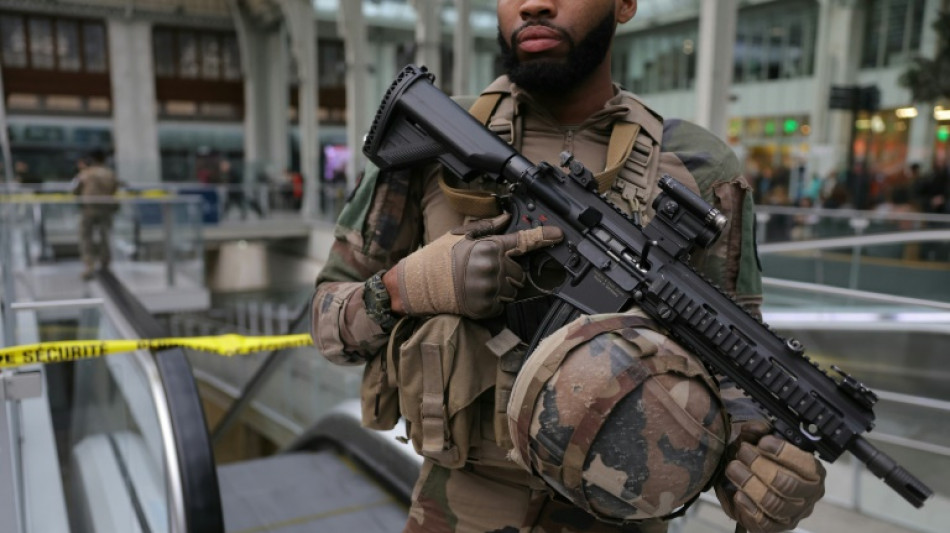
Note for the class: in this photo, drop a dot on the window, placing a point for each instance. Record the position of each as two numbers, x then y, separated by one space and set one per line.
331 59
41 43
67 45
13 38
230 58
659 61
187 55
891 32
53 43
196 54
210 57
775 41
94 47
163 46
197 73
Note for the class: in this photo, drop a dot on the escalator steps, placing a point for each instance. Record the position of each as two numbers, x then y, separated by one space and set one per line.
305 492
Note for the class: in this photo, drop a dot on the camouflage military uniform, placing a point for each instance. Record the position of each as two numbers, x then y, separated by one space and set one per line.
96 182
394 213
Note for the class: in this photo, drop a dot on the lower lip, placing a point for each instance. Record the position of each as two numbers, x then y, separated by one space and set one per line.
533 46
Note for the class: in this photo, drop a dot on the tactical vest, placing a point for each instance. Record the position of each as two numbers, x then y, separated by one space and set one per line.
629 179
449 377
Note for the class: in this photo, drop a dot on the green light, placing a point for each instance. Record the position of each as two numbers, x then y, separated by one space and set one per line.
791 125
943 134
769 127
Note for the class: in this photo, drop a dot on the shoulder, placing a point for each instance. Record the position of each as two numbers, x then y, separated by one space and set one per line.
705 155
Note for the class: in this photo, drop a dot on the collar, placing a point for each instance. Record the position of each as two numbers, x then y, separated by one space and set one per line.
624 105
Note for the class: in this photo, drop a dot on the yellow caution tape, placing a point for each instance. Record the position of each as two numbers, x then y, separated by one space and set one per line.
54 198
62 351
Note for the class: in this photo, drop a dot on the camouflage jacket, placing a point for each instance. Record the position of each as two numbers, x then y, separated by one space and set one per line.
96 182
393 213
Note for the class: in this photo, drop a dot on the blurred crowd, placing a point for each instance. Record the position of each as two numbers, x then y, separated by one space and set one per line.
893 202
909 190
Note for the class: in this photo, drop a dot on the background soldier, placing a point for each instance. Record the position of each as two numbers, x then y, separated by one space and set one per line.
421 273
96 186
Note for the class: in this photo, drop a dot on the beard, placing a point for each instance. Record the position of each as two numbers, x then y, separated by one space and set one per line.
559 75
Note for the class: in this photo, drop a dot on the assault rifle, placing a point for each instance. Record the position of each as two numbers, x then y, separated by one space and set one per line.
612 264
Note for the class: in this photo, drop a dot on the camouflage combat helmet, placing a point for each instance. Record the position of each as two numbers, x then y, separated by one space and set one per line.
617 418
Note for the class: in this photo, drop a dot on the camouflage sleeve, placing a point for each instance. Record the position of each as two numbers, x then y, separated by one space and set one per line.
379 225
732 261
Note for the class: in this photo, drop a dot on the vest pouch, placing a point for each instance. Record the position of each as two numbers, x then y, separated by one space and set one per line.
442 370
379 398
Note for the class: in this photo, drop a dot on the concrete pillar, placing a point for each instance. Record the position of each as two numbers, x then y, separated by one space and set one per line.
462 49
838 56
717 35
429 36
385 72
821 156
920 141
485 71
264 63
353 28
134 128
241 266
299 15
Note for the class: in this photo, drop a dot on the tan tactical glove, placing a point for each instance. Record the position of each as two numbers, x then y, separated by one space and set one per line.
771 484
470 270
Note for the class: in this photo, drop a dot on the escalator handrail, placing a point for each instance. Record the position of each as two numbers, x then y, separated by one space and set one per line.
255 383
199 480
867 296
851 241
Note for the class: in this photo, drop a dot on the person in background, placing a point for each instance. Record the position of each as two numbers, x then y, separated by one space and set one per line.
24 176
96 186
236 193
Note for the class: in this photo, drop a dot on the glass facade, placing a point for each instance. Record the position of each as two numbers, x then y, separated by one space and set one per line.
658 60
52 43
41 43
67 45
892 32
196 54
776 41
13 41
94 47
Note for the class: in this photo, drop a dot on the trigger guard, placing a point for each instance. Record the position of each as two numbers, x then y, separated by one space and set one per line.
536 265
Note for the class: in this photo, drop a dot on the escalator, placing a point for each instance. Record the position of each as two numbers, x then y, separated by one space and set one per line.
337 477
121 443
333 476
133 452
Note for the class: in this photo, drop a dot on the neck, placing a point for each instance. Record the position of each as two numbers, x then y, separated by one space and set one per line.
584 100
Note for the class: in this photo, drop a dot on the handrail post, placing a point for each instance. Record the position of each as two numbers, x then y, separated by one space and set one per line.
168 223
14 386
6 262
859 225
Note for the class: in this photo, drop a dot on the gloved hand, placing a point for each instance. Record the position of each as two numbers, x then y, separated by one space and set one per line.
771 484
470 270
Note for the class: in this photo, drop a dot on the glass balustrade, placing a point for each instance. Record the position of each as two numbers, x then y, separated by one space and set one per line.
782 224
95 453
96 445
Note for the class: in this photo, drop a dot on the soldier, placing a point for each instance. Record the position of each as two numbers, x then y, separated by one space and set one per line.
96 183
421 288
